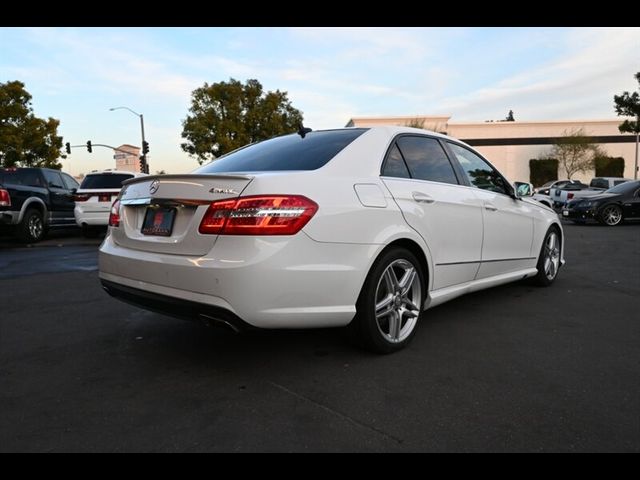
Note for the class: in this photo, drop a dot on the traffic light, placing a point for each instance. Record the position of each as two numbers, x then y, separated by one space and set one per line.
89 146
68 147
145 147
143 165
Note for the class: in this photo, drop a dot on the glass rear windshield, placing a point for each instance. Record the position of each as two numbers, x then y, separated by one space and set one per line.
104 180
27 177
289 152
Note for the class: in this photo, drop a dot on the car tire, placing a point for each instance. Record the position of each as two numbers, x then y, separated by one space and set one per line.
610 215
390 304
549 259
32 228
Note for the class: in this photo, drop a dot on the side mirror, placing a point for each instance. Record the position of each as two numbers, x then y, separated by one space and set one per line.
523 189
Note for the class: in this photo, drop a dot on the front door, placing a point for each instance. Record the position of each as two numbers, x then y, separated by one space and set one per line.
508 223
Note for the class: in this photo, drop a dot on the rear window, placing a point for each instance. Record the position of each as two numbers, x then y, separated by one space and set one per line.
104 180
599 183
27 177
289 152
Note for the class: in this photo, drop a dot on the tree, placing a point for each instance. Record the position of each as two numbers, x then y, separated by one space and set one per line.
575 153
415 123
26 140
628 105
510 117
227 115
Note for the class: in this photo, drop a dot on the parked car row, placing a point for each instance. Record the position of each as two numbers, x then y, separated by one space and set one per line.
32 200
608 200
561 195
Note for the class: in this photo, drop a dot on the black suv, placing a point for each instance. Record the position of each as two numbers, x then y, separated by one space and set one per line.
34 199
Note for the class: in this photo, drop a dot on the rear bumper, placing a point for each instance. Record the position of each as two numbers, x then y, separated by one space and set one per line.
176 307
9 217
267 282
86 216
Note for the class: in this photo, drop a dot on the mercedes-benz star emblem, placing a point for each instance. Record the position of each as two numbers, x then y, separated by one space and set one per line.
155 185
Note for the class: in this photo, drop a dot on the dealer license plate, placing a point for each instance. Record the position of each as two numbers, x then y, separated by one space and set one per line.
158 221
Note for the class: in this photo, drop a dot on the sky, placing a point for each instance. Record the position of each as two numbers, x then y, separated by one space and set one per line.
331 74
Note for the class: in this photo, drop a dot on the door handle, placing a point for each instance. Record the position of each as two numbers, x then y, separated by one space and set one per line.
490 207
422 197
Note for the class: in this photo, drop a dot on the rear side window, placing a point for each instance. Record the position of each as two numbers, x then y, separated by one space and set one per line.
105 180
394 166
53 178
426 159
289 152
29 178
69 182
618 182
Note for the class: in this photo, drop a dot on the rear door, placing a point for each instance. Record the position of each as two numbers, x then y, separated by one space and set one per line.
176 203
60 197
425 186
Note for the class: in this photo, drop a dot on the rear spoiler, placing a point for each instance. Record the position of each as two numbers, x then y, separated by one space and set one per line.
182 176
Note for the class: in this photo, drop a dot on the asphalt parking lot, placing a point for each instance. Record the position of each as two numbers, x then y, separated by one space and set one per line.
514 368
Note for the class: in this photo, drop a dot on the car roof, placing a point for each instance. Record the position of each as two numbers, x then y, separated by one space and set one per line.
112 172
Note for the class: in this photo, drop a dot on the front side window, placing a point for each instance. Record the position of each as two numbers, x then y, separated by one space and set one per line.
480 173
426 159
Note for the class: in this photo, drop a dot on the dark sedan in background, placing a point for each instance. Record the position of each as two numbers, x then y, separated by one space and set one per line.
610 207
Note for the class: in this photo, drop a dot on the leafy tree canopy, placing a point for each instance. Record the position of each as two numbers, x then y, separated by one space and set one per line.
26 140
227 115
628 105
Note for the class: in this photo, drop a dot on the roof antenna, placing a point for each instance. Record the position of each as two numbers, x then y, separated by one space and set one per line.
302 131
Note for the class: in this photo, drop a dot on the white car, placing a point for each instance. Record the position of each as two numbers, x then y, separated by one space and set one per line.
94 197
366 227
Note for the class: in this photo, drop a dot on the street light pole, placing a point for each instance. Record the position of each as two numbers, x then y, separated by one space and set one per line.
144 155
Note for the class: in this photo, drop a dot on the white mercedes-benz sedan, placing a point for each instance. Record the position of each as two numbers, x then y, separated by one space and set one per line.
365 227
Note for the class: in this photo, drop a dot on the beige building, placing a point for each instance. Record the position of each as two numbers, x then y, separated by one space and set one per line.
510 145
127 158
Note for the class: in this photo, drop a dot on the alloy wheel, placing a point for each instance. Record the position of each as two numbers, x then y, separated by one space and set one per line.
551 255
612 215
398 300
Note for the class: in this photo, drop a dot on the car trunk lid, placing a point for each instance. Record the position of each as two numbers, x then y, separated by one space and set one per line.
162 213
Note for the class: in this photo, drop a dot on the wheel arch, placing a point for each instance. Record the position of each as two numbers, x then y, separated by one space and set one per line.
37 204
421 252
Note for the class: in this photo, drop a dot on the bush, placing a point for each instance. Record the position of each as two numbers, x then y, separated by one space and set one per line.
543 170
609 166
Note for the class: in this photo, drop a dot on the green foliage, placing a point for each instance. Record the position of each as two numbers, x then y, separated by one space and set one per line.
26 140
227 115
510 117
543 170
575 153
609 166
628 105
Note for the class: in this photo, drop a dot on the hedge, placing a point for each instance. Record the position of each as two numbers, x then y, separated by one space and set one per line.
609 166
543 170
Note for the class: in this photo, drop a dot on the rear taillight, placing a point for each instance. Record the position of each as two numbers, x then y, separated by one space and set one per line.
569 196
258 215
114 216
5 199
102 197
